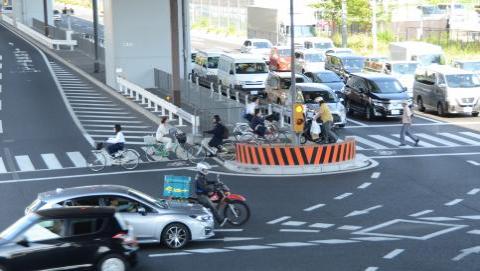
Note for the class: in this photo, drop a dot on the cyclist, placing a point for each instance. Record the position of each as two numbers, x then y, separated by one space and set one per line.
162 132
250 108
205 189
218 133
116 143
258 123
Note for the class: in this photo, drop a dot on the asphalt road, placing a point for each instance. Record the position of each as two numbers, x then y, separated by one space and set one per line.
417 210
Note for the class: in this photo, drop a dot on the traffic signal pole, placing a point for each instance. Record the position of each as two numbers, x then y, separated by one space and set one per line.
293 78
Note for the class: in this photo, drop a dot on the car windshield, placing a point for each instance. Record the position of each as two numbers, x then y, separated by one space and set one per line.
262 45
471 66
310 96
156 202
213 62
286 82
251 68
387 86
463 81
404 68
323 45
328 77
314 58
18 227
284 52
353 63
304 31
426 60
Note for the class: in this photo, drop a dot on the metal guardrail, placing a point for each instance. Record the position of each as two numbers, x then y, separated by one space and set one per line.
157 104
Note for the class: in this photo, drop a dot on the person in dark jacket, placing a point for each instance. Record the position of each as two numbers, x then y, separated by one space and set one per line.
217 132
258 123
204 189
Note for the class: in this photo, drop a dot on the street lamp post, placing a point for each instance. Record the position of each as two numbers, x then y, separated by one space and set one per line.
292 67
45 17
374 26
96 64
344 23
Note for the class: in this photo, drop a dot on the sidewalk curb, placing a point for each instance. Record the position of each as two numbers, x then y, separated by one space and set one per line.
133 105
361 162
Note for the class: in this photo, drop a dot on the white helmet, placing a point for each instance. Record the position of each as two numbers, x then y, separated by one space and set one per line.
203 167
318 99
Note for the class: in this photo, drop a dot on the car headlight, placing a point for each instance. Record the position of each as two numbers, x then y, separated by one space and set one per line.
202 218
378 102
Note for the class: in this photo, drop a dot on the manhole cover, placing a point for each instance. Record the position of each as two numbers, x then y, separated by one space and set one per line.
410 229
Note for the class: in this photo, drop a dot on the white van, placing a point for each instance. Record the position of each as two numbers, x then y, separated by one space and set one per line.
206 66
244 72
318 43
447 90
424 53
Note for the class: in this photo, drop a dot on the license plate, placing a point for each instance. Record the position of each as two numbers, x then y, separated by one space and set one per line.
395 112
255 92
467 109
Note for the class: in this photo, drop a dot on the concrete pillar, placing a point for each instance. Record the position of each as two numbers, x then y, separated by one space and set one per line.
137 40
25 10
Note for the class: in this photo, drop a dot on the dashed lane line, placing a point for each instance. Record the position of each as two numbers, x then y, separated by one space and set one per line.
349 228
342 196
228 230
169 254
294 223
314 207
453 202
250 247
299 230
371 268
477 232
364 185
472 217
321 225
440 218
278 220
334 241
208 250
375 239
473 191
375 175
475 163
421 213
292 244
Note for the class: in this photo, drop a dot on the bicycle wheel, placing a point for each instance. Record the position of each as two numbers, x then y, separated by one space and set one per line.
181 152
96 161
196 153
272 132
245 137
228 152
150 152
283 138
130 159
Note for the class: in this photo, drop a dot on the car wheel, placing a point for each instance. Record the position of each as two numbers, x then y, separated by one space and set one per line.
440 110
112 262
342 125
420 105
175 236
349 109
368 113
474 114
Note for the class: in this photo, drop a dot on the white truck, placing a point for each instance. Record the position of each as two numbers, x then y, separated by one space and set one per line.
424 53
274 24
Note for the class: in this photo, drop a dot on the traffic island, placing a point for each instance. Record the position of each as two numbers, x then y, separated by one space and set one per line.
286 159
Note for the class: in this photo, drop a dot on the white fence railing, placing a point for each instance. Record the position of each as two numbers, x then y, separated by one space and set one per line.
158 104
50 43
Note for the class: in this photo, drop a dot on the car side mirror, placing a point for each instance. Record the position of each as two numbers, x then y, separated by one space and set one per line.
142 211
442 85
231 72
24 242
405 88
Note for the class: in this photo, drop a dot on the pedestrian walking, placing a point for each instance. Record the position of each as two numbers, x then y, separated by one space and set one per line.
407 125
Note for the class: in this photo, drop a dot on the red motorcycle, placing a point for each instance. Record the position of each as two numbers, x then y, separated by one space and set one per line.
233 206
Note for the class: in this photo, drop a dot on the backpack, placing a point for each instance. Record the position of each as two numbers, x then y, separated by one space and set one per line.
226 132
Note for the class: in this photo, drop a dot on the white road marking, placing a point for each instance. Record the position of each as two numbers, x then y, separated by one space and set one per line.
465 252
294 223
24 163
117 118
0 88
321 225
103 105
334 241
228 230
375 175
393 254
111 121
453 202
93 102
363 212
96 108
421 213
1 127
123 126
250 247
470 134
459 138
342 196
375 239
423 155
292 244
51 161
473 191
299 231
472 217
230 239
169 254
474 232
207 250
364 185
369 143
357 122
420 143
3 169
371 268
349 228
387 140
77 159
439 218
275 221
314 207
438 140
101 112
475 163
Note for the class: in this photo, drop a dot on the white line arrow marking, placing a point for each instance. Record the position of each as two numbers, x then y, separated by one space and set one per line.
466 252
363 212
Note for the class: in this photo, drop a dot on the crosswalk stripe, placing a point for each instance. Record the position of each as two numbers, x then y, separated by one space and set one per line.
100 112
123 126
85 97
470 134
79 91
24 163
359 148
125 131
111 121
421 143
105 105
438 140
95 108
77 159
84 94
459 138
3 169
51 161
133 137
369 143
89 101
105 117
387 140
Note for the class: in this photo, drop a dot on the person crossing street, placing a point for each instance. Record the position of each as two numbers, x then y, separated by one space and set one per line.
407 118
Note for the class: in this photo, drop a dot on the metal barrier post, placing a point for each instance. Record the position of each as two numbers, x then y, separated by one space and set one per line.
269 109
219 90
237 96
246 99
228 93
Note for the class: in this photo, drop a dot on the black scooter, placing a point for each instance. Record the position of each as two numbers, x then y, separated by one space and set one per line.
307 135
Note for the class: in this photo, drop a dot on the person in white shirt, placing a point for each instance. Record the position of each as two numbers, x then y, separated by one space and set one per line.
406 125
250 108
162 133
116 143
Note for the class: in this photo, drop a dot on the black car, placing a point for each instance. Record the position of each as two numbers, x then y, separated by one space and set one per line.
344 64
71 238
375 95
328 78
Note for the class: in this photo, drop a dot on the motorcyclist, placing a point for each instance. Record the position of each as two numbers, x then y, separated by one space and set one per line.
326 118
205 189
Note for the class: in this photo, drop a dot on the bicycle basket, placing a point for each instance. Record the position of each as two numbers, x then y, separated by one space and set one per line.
149 140
181 137
176 186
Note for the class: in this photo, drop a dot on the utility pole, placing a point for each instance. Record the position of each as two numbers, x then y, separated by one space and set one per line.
374 26
293 88
45 17
96 64
344 23
175 52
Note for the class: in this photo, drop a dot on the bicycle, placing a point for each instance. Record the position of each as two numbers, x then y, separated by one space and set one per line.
244 133
100 158
180 147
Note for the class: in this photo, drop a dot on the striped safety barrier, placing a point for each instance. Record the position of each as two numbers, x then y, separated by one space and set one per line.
284 155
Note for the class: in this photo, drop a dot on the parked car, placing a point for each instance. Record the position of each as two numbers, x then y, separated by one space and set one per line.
310 91
318 43
57 16
373 62
404 71
375 95
469 65
280 58
344 64
257 46
278 86
328 78
7 9
206 66
309 60
243 72
339 51
447 90
152 220
67 239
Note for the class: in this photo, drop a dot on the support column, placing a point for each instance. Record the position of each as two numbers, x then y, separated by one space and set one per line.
25 10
